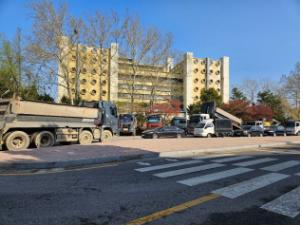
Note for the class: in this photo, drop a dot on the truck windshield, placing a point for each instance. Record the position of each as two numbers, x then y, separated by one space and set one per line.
200 125
178 121
126 118
153 119
290 124
194 119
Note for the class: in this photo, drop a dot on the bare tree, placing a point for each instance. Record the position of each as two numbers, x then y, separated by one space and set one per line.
54 37
139 47
290 88
250 88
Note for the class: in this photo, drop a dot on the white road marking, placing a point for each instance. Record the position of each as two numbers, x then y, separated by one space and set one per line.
214 176
188 170
171 159
254 162
287 204
212 156
281 166
143 163
231 159
151 168
244 187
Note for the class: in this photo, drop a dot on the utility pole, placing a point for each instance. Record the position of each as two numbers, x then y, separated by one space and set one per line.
19 61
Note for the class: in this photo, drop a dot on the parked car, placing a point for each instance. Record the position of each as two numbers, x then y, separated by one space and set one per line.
180 122
255 131
166 131
127 124
270 131
243 131
280 131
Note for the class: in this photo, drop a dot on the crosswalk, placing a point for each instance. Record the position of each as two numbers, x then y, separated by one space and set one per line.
205 170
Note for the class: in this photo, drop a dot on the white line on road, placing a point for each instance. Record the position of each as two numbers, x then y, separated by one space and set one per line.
231 159
171 159
281 166
236 190
213 156
188 170
254 162
214 176
287 204
143 163
151 168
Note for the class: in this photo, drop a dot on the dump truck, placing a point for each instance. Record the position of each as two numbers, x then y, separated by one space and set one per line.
217 113
23 123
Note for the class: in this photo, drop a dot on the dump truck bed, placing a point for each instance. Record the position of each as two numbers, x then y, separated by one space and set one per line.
46 109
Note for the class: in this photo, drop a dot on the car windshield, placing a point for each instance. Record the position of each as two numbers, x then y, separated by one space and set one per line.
256 128
273 127
246 127
153 119
126 118
280 128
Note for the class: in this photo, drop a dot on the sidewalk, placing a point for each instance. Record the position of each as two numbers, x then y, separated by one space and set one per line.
127 148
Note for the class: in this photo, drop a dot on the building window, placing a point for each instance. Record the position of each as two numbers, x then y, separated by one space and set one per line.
104 72
103 93
211 81
84 59
93 82
84 71
93 92
203 71
83 81
218 89
94 50
73 69
74 57
218 72
195 61
218 64
218 82
84 49
104 60
196 70
203 81
196 89
73 90
94 71
203 62
196 97
83 92
196 80
73 80
211 71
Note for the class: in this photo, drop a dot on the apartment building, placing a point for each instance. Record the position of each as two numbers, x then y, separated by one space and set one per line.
108 76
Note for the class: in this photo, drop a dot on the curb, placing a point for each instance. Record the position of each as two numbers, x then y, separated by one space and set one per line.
191 153
72 163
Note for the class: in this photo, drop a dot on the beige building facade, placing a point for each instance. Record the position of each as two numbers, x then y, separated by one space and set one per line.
106 75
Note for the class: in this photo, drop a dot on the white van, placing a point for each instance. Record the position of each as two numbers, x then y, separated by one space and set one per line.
293 128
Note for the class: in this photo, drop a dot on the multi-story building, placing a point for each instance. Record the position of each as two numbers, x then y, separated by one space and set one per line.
106 75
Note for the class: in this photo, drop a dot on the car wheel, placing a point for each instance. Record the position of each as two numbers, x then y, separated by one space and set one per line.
155 136
248 135
274 134
179 136
261 135
284 134
208 135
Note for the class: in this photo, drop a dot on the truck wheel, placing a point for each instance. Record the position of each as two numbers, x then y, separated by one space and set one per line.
106 135
86 137
17 141
44 139
155 136
179 136
208 135
261 135
248 135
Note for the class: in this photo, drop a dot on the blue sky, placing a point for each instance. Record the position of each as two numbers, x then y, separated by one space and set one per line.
261 37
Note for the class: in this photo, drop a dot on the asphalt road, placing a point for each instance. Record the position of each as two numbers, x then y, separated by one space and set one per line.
256 187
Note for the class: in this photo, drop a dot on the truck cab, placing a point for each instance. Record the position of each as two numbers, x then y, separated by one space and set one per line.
204 128
127 124
154 121
293 128
195 120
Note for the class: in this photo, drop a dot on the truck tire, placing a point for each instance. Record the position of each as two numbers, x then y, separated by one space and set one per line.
44 139
17 141
106 135
85 137
155 136
208 135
